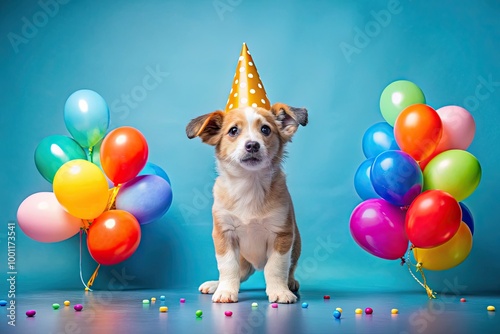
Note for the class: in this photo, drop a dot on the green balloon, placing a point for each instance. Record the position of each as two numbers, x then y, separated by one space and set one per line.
397 96
54 151
455 171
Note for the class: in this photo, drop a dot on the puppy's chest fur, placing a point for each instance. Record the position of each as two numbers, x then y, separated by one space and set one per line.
251 211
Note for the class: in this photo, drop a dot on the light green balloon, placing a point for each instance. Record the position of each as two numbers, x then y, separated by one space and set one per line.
397 96
455 171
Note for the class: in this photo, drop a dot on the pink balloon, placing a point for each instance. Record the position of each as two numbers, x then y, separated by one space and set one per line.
379 228
42 218
458 128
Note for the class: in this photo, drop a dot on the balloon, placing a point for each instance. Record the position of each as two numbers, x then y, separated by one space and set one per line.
397 96
53 151
86 116
377 139
362 181
447 255
455 171
396 177
458 131
113 237
418 130
153 169
378 227
432 219
458 128
124 153
467 217
81 188
42 218
147 197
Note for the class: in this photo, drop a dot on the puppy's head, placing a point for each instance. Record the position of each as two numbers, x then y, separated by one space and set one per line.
249 138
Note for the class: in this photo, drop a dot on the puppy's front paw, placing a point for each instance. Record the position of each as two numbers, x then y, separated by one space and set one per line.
225 296
283 296
209 287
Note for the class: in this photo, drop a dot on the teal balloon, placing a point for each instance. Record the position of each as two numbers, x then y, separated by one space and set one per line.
53 152
86 116
397 96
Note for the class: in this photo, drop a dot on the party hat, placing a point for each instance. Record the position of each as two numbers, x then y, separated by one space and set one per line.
247 89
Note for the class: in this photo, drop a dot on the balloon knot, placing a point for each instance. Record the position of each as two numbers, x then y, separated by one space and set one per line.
403 261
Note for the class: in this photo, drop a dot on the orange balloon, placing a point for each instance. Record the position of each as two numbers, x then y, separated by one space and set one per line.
113 237
124 152
418 130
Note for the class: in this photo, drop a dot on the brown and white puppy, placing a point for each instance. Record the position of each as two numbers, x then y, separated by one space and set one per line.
253 217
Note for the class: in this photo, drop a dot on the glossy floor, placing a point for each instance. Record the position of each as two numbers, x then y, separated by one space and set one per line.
124 312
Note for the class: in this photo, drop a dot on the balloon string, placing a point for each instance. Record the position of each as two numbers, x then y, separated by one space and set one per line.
81 276
91 154
112 198
431 294
93 277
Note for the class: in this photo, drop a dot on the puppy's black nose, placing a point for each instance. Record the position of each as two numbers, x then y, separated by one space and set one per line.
252 146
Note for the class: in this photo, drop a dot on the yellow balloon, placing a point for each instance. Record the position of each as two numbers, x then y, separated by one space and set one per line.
448 255
81 188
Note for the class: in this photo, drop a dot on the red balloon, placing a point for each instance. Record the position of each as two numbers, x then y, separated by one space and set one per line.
418 130
124 152
432 219
113 237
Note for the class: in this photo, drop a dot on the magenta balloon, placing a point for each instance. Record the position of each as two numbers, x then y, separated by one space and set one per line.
378 227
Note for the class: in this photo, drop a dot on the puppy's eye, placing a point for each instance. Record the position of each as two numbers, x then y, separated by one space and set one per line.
233 131
266 130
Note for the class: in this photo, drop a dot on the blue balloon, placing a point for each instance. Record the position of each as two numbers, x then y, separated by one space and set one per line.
396 177
86 116
362 181
379 138
152 169
147 197
467 217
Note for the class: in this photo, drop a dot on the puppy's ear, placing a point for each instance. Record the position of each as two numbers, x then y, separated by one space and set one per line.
207 127
289 118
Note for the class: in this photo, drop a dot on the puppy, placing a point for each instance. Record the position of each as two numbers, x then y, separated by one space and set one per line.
253 217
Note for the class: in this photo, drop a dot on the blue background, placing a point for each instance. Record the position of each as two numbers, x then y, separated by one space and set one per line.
448 48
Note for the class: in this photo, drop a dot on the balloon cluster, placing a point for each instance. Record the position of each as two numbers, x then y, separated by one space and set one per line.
103 184
416 173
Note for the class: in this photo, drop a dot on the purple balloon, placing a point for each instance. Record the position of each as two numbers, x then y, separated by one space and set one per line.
147 197
379 228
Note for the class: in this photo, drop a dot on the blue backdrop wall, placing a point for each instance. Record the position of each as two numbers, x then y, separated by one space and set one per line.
333 57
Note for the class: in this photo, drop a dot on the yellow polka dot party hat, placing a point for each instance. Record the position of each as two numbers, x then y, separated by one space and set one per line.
247 89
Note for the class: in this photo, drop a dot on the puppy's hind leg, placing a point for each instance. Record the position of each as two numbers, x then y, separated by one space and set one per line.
246 269
293 284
